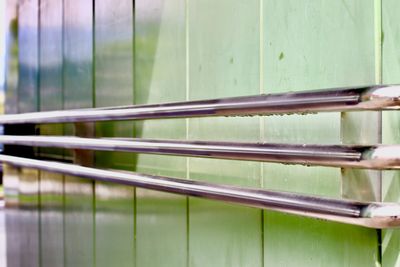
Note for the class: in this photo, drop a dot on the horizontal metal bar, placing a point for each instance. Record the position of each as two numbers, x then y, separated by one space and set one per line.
374 215
342 99
369 157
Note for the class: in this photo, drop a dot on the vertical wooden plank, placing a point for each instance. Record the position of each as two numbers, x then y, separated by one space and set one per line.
27 225
224 61
78 93
11 56
28 34
50 57
159 45
12 218
78 54
390 123
10 174
364 128
310 45
114 217
78 224
30 234
51 219
51 96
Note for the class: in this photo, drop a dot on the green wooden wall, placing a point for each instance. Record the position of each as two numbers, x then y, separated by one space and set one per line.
84 53
390 123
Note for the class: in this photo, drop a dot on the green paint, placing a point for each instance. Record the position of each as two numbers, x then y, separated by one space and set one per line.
331 45
50 68
78 87
113 77
28 57
78 222
378 40
390 124
224 40
160 42
51 219
190 50
29 218
50 74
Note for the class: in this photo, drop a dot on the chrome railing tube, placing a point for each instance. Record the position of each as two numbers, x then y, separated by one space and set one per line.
375 215
370 157
342 99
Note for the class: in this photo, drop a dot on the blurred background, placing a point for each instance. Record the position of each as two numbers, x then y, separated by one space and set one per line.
8 23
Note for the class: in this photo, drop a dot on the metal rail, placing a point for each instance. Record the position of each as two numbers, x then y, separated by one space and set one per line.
370 157
368 214
342 99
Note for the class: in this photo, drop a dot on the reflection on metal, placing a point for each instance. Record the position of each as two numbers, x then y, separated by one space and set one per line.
370 157
344 99
368 214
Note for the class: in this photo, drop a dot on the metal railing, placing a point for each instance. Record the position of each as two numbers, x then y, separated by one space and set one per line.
342 99
368 214
370 157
